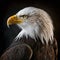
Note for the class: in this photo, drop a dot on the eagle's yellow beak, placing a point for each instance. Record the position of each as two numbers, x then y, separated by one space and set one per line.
14 20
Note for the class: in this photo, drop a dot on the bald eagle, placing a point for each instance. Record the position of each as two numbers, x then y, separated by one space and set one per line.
36 39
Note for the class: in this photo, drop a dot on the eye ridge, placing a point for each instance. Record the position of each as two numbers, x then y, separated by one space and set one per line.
24 16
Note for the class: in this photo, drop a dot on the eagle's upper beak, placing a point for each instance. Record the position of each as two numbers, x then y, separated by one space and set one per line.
14 20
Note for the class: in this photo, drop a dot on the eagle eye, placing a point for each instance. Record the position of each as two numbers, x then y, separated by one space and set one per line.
24 16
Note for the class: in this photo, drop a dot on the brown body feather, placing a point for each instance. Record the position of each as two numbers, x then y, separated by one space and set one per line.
28 49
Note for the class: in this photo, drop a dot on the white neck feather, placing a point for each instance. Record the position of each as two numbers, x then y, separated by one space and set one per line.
34 33
29 31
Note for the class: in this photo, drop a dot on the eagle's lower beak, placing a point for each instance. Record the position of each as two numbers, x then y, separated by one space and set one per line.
14 20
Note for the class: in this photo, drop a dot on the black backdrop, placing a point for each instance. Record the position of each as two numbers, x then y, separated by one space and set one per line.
8 8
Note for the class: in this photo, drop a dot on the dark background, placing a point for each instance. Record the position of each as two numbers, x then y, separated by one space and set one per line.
8 8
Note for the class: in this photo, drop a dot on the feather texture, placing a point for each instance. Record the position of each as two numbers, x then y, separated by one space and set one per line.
38 24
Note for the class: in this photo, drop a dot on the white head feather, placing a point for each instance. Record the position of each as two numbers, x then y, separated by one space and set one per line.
38 24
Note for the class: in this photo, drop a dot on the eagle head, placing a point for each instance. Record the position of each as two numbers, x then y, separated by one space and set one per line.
34 22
